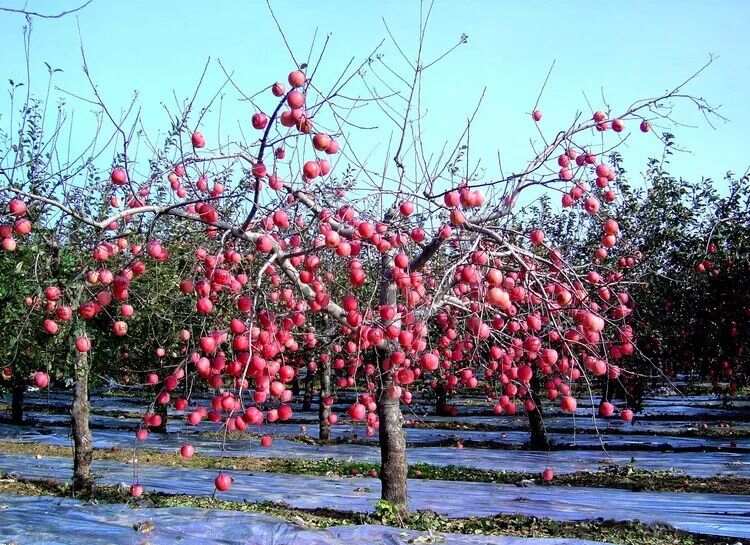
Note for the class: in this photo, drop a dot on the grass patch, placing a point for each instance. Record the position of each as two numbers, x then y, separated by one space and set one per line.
625 533
625 477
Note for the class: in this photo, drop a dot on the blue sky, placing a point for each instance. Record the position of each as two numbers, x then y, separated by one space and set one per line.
629 50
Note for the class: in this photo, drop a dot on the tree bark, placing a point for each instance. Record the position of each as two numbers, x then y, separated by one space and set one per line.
393 467
538 439
324 411
441 400
307 399
16 405
83 481
296 387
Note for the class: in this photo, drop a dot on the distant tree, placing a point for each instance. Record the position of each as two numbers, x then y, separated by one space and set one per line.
688 256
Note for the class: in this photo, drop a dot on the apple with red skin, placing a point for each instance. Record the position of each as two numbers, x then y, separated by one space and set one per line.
606 409
52 293
357 412
136 490
295 99
568 404
321 141
9 244
537 237
259 120
83 344
333 147
16 207
41 379
198 140
311 170
611 227
50 327
223 482
259 169
406 208
264 244
204 306
120 328
296 78
22 227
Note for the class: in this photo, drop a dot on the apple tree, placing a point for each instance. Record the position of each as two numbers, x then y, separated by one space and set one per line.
298 250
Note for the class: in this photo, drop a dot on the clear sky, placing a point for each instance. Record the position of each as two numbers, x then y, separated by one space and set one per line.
628 50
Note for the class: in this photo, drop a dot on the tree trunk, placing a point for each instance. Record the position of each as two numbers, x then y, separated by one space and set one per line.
296 387
393 467
441 400
307 399
538 439
324 411
83 482
16 404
